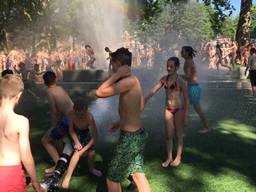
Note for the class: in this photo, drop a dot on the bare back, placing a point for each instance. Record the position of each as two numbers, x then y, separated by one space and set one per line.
10 123
190 71
130 104
61 100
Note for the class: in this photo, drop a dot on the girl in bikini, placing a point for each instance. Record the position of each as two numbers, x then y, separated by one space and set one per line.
176 110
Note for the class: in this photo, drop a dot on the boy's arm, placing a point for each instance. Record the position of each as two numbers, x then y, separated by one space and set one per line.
53 110
92 124
186 101
73 134
111 87
25 150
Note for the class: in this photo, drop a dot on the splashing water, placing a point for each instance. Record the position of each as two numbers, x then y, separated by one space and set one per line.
103 25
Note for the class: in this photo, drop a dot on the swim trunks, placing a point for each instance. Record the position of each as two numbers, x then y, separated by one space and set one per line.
128 155
194 93
60 130
252 75
12 179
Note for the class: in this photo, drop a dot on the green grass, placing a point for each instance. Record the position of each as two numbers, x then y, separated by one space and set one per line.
221 161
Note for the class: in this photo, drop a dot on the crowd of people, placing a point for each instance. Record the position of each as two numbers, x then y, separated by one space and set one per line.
226 53
45 60
73 121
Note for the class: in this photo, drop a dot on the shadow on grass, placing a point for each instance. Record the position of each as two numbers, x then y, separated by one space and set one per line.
222 160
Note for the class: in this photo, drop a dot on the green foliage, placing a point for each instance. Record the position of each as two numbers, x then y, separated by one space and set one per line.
190 22
14 12
229 27
253 15
220 10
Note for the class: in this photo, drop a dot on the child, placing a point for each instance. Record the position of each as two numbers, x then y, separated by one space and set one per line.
176 110
29 85
80 121
128 154
60 106
252 68
194 91
14 139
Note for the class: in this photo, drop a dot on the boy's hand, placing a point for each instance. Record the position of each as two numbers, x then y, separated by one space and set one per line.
78 146
123 71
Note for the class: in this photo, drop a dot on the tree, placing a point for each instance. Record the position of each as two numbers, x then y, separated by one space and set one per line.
229 27
17 11
244 23
253 28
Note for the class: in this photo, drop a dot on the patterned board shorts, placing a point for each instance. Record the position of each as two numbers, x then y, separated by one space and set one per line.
194 93
128 155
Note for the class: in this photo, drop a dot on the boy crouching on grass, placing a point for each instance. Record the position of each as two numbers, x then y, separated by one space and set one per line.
80 121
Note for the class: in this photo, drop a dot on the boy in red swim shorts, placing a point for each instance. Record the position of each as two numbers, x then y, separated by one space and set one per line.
14 139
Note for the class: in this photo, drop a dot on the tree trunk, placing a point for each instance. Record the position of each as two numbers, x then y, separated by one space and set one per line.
3 39
244 23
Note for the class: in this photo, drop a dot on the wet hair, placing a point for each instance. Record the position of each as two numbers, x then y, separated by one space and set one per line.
87 46
49 78
253 50
175 60
7 72
191 52
80 105
123 55
10 86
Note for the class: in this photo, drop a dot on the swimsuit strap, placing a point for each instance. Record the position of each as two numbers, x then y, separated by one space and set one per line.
173 85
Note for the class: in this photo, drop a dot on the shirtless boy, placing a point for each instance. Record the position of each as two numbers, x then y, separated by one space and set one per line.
194 91
82 138
60 106
14 133
128 154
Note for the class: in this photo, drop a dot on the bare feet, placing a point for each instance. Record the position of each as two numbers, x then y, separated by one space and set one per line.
166 163
96 172
50 170
204 130
175 163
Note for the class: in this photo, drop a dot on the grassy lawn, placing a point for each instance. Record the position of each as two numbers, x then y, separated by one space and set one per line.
222 160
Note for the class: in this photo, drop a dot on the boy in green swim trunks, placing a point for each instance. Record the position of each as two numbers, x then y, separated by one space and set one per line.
128 154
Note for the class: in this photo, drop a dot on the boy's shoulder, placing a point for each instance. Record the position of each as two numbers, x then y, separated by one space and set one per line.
20 118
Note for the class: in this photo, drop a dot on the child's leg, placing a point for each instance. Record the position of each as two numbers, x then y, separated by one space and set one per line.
72 165
91 160
202 117
178 119
141 182
113 186
169 123
50 148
